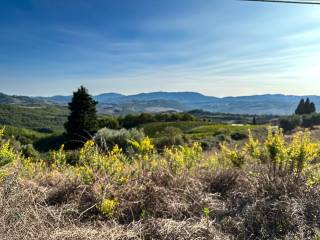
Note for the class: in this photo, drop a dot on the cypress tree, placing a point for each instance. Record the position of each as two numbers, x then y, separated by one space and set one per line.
305 107
312 107
254 120
82 121
300 108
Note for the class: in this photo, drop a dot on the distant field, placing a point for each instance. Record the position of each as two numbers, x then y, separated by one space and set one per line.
152 128
44 118
232 118
199 129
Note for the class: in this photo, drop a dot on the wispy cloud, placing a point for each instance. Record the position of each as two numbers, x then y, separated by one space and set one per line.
218 48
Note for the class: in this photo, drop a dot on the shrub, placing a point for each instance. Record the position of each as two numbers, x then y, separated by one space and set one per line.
311 120
237 136
44 130
72 157
59 158
170 136
301 152
222 138
236 156
7 154
108 207
223 181
290 123
182 157
108 122
28 151
145 153
50 142
106 138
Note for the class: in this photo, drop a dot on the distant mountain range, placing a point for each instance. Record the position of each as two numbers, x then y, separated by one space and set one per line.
115 103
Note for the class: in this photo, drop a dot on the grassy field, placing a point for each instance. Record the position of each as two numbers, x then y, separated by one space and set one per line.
232 118
200 129
152 128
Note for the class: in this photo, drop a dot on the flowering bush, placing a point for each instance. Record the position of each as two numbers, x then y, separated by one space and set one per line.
7 154
108 207
106 138
58 158
182 157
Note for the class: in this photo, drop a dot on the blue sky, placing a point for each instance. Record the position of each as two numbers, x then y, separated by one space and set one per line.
216 47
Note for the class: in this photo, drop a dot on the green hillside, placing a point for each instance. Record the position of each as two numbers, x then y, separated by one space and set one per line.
41 118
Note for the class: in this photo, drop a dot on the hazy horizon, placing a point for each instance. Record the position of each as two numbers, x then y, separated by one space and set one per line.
217 48
135 93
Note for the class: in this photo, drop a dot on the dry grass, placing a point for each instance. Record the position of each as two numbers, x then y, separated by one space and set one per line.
158 205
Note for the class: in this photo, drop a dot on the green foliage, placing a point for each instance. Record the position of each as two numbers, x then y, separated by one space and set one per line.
152 129
28 151
170 136
237 136
215 129
38 118
252 147
275 145
144 155
295 157
231 118
7 154
290 123
92 163
182 158
82 121
131 121
49 142
108 122
234 155
23 135
206 212
59 158
106 138
311 120
208 134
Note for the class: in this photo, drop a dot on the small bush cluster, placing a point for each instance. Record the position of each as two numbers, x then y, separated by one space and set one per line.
306 121
107 138
169 136
7 154
290 123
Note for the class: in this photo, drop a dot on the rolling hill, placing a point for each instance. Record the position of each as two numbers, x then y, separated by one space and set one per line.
115 103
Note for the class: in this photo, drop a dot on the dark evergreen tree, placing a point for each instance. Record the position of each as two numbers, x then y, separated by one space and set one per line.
312 108
254 120
300 108
305 107
82 121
